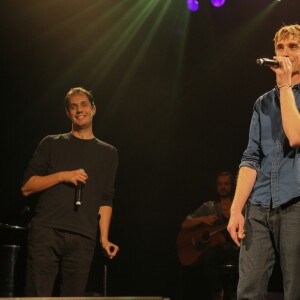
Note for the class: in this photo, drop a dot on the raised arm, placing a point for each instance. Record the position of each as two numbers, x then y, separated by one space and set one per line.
288 74
290 115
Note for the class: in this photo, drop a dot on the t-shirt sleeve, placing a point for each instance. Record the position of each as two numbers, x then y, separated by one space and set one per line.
38 163
207 208
109 186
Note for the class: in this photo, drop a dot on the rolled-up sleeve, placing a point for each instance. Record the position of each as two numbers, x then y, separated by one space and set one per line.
252 156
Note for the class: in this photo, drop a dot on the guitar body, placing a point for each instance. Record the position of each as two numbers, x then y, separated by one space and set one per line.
191 243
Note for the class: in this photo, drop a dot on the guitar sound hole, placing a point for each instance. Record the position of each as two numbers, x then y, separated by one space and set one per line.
205 237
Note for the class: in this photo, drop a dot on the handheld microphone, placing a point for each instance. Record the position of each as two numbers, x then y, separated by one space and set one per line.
78 195
267 62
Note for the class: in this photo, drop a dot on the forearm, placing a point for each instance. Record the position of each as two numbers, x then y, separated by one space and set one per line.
290 116
190 222
245 183
105 213
37 184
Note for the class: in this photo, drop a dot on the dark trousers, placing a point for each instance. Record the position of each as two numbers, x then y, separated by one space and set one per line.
52 252
268 232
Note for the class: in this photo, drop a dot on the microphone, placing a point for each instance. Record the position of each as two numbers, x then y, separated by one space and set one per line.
267 62
78 195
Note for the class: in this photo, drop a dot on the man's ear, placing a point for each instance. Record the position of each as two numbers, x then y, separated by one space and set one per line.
94 110
67 113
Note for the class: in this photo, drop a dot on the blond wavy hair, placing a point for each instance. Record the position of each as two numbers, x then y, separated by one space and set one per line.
285 31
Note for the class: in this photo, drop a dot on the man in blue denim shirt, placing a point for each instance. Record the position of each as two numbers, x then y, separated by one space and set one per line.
269 181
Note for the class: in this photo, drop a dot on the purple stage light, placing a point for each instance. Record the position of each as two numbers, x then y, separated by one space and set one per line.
192 5
217 3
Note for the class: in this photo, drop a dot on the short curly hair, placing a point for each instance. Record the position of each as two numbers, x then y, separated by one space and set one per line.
79 90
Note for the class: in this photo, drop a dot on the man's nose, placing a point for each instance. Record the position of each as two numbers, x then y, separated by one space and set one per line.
286 51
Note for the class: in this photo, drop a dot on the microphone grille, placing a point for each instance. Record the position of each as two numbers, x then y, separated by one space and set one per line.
260 61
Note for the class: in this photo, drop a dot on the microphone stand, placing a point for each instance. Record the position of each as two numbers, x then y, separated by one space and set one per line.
105 280
105 267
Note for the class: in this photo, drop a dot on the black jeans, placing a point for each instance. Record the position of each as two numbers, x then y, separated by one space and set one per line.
51 251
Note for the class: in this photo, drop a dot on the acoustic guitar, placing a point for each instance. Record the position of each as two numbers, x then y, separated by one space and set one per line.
191 243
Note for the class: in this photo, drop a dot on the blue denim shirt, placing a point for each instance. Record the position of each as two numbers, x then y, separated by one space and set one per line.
269 153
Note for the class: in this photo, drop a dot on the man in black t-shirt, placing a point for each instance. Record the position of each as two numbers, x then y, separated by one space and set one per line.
73 175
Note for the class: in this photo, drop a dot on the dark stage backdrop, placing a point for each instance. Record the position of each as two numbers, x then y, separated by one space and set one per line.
174 93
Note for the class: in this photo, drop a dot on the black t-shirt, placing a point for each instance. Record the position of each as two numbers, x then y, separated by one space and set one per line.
56 206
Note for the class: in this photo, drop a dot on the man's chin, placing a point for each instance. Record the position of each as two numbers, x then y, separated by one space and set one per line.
79 127
224 195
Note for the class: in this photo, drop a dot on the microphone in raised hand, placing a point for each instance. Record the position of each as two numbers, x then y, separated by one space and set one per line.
267 62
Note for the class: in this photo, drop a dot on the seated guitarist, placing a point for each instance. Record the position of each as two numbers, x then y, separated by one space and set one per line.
212 214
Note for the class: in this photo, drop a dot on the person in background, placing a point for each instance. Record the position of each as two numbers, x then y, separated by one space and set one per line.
269 180
212 214
73 175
